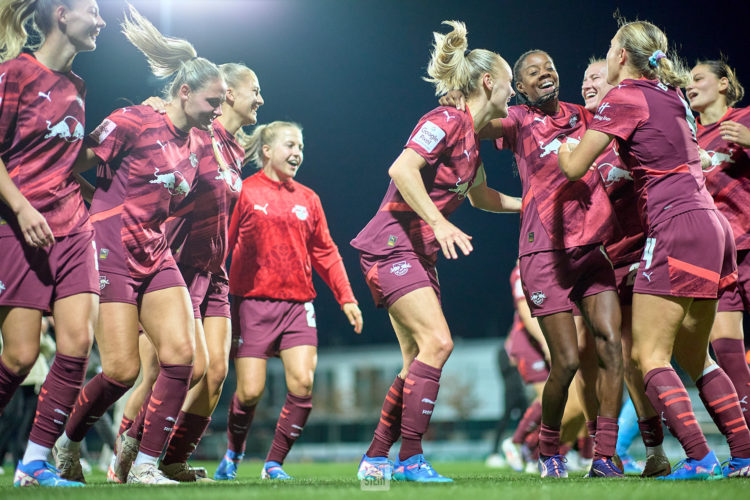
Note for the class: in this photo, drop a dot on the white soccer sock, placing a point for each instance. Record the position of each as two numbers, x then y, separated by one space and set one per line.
35 452
142 458
65 442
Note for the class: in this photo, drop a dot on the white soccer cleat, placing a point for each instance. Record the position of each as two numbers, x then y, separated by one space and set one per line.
513 455
148 473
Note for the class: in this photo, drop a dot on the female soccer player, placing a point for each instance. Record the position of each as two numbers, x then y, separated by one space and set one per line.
278 234
198 232
689 251
438 168
148 164
723 132
46 240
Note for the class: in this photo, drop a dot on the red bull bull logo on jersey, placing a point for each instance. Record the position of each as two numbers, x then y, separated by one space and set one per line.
68 129
174 182
612 175
717 159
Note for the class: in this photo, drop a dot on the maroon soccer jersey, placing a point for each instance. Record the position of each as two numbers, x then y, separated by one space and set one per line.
277 235
556 213
654 129
207 209
627 245
728 176
445 138
148 167
41 132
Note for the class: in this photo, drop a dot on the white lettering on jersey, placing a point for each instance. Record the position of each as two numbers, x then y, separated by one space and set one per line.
46 96
103 130
600 112
263 208
300 212
428 136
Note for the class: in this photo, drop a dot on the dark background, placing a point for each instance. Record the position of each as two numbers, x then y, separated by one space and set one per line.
350 72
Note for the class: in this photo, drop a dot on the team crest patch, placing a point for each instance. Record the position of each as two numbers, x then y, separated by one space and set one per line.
103 253
573 120
531 237
103 130
400 268
392 240
538 297
428 136
103 281
193 160
300 212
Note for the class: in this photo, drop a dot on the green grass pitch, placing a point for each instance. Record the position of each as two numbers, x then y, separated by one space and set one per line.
473 481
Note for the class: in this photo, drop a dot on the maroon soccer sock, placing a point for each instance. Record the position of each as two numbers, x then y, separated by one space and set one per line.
389 427
187 433
730 354
136 428
238 425
95 397
591 427
549 441
56 398
670 400
586 447
530 421
125 424
651 431
9 382
606 437
169 393
532 443
421 388
291 422
719 398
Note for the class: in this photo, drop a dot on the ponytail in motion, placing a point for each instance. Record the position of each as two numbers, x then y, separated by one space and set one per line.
14 16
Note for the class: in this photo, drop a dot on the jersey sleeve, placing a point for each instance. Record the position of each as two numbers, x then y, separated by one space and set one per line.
327 261
435 133
114 135
621 111
510 129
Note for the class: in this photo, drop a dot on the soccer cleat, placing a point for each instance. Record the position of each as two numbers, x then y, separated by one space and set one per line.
656 465
630 465
604 467
417 469
513 455
126 449
40 473
184 473
227 469
495 461
736 467
147 473
375 468
553 466
706 468
68 462
273 470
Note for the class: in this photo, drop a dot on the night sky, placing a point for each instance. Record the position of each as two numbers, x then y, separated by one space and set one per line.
350 72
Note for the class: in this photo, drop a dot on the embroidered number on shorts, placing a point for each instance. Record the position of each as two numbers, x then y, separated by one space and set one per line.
648 252
310 314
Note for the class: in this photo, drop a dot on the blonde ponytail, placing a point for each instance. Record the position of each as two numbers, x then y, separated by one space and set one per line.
14 16
647 47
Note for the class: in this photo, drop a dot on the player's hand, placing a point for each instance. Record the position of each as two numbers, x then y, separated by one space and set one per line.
736 133
705 158
354 315
157 103
454 98
34 227
450 237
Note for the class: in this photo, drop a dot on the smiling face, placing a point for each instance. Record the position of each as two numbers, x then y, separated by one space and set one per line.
82 24
705 88
538 77
247 100
502 89
616 57
595 86
202 106
283 156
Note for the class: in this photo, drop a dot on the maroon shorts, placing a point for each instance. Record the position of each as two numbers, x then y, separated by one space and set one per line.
553 280
737 298
625 279
526 354
209 293
263 328
36 277
117 287
391 277
689 255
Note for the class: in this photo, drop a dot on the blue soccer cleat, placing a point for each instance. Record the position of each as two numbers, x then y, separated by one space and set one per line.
40 473
273 470
228 467
553 466
736 467
375 468
604 467
706 468
417 469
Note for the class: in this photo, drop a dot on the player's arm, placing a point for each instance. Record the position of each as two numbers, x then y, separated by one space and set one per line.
575 160
405 174
485 198
86 159
532 326
34 227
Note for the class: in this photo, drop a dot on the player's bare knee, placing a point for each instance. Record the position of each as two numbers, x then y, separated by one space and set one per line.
125 373
216 374
20 361
249 396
